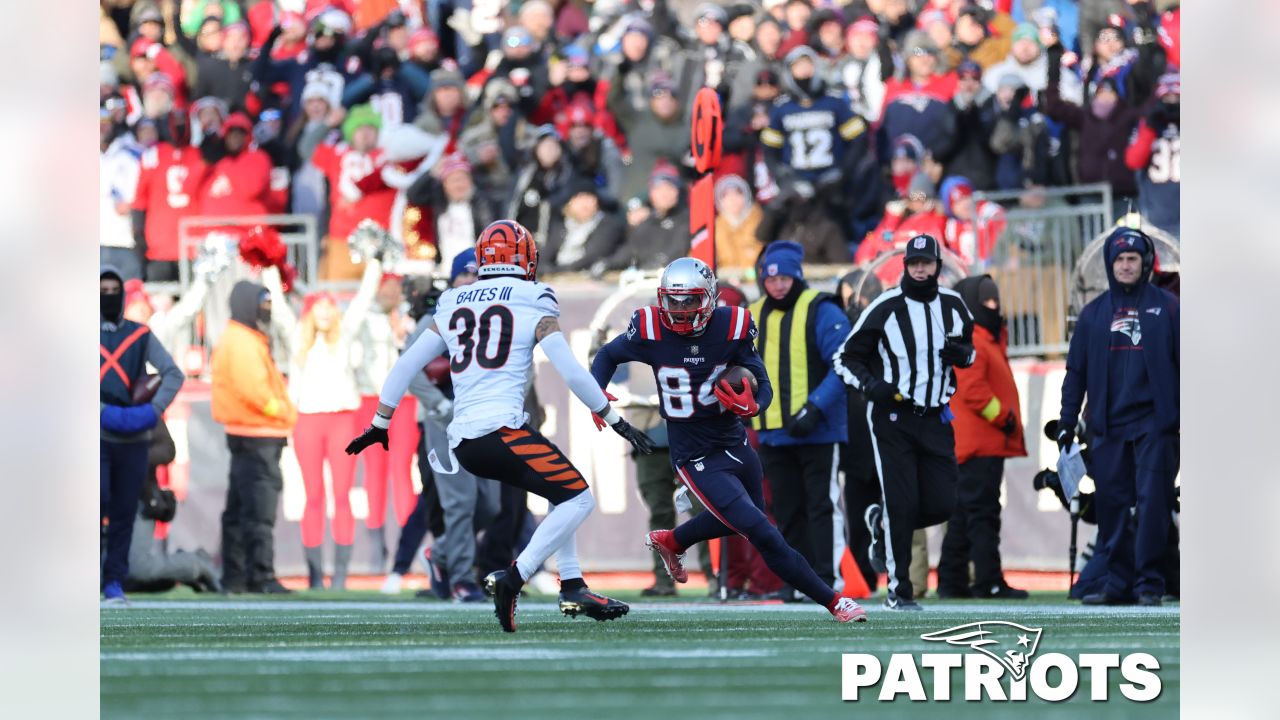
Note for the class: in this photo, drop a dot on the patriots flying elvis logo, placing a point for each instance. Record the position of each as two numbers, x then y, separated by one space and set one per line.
1008 643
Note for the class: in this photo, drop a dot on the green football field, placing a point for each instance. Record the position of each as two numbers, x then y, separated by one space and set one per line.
360 655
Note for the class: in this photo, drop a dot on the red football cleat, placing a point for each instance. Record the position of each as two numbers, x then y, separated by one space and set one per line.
662 542
847 610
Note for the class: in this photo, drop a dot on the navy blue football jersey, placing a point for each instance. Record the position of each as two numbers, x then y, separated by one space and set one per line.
686 369
813 136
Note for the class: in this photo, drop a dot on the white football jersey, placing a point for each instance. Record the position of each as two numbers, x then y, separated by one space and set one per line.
488 327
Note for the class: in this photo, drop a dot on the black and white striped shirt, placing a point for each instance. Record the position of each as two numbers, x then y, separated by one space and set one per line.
897 340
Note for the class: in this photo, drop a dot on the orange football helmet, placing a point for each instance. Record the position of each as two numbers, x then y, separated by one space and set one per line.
506 247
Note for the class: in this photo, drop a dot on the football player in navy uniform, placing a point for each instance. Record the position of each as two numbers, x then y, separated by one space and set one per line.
690 343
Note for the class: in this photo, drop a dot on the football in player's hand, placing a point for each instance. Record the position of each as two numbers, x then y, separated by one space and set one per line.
736 375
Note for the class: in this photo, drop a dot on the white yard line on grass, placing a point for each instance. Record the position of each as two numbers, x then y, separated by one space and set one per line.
399 654
993 609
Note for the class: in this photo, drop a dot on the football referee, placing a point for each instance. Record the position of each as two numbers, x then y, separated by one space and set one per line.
900 354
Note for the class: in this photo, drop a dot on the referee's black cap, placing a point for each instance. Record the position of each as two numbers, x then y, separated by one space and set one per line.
923 246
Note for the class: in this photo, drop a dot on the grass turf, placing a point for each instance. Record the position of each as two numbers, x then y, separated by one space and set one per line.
362 655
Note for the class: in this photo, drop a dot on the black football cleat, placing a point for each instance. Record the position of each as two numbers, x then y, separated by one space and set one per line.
584 602
504 599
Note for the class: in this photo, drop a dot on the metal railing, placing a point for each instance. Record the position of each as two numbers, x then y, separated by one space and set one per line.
1045 232
298 232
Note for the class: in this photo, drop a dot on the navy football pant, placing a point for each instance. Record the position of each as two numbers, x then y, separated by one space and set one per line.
122 470
730 485
1136 474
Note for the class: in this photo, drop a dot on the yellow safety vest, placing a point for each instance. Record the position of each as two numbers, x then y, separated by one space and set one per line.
785 337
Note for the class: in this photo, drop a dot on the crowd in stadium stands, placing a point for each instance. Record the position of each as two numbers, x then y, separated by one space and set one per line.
850 127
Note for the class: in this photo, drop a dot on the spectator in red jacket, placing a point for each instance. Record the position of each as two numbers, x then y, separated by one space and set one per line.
988 429
169 181
573 84
237 183
918 214
973 226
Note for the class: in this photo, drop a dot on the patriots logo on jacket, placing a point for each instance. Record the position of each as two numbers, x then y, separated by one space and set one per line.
1009 644
1126 323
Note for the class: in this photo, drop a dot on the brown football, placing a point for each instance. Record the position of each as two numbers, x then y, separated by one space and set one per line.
145 389
736 375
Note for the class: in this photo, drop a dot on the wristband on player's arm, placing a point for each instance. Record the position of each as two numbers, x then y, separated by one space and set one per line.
381 421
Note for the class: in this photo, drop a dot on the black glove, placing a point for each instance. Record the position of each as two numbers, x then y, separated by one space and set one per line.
1066 437
882 392
957 354
1157 116
1010 425
370 436
805 421
641 442
274 35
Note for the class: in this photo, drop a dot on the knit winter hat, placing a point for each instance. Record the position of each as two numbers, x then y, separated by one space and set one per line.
921 183
1027 31
359 116
446 77
728 183
783 257
954 189
451 164
463 262
158 81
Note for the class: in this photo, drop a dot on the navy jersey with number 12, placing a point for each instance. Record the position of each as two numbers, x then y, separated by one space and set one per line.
686 368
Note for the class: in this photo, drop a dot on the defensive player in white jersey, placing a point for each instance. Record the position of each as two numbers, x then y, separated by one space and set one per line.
489 329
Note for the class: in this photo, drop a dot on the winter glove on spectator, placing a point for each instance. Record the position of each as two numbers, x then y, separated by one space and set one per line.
128 420
805 421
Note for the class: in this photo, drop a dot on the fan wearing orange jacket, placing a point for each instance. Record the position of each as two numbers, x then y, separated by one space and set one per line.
251 401
988 428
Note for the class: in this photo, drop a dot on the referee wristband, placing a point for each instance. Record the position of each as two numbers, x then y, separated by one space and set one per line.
380 421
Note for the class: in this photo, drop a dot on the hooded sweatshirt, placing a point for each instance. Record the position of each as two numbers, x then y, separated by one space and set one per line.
986 394
1124 356
249 393
154 354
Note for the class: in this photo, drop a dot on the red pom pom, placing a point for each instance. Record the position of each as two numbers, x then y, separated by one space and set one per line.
262 247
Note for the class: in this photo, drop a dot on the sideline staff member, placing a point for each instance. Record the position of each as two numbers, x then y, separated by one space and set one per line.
1124 358
900 355
803 432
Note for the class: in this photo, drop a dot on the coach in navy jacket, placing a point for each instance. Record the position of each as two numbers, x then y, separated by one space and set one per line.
1124 358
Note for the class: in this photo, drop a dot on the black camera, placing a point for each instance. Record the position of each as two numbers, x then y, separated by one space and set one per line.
422 292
